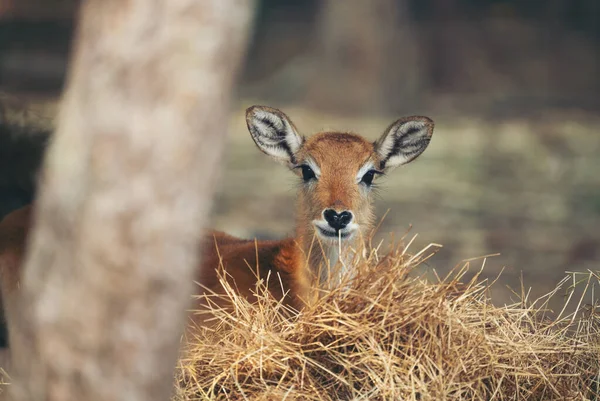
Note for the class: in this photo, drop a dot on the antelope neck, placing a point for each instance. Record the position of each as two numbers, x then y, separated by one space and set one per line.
321 257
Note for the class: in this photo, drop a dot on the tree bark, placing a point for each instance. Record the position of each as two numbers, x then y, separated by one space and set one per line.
125 190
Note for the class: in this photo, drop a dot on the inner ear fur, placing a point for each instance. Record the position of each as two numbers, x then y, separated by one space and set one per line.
274 133
403 141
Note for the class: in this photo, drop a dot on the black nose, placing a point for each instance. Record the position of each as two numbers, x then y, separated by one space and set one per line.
337 220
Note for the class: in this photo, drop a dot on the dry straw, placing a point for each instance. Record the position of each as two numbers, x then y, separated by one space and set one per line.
386 333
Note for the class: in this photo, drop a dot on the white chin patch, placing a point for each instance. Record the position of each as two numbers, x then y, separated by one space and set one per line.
328 234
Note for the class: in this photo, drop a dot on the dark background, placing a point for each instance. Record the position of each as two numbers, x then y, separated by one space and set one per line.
514 165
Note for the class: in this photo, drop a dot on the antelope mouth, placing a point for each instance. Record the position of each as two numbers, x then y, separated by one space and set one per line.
334 233
326 232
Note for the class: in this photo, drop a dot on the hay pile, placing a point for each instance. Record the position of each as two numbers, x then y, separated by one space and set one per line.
390 335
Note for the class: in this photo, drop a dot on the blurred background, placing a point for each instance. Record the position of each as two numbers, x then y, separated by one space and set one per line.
514 164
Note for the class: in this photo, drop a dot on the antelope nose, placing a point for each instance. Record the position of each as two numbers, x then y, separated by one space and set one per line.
336 220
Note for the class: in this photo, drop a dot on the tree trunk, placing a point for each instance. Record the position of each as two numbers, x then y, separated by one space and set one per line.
125 190
366 59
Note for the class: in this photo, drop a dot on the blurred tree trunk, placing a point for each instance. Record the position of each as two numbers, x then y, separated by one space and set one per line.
444 54
366 58
125 190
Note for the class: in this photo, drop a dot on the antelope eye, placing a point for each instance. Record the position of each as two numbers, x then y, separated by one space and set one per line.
367 179
307 173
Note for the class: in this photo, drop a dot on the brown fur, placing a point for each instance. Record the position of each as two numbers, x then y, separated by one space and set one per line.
285 258
14 230
279 261
291 264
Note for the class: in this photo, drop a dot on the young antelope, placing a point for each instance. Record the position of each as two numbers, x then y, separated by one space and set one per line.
334 208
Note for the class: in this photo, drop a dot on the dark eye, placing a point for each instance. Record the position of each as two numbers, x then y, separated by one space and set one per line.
367 179
307 173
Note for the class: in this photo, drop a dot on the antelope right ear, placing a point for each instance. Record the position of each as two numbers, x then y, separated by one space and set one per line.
404 141
274 133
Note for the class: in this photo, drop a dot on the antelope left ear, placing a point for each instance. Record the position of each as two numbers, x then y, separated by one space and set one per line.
404 141
274 133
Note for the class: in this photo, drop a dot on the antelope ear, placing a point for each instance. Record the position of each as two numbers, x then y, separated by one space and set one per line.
274 133
404 141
